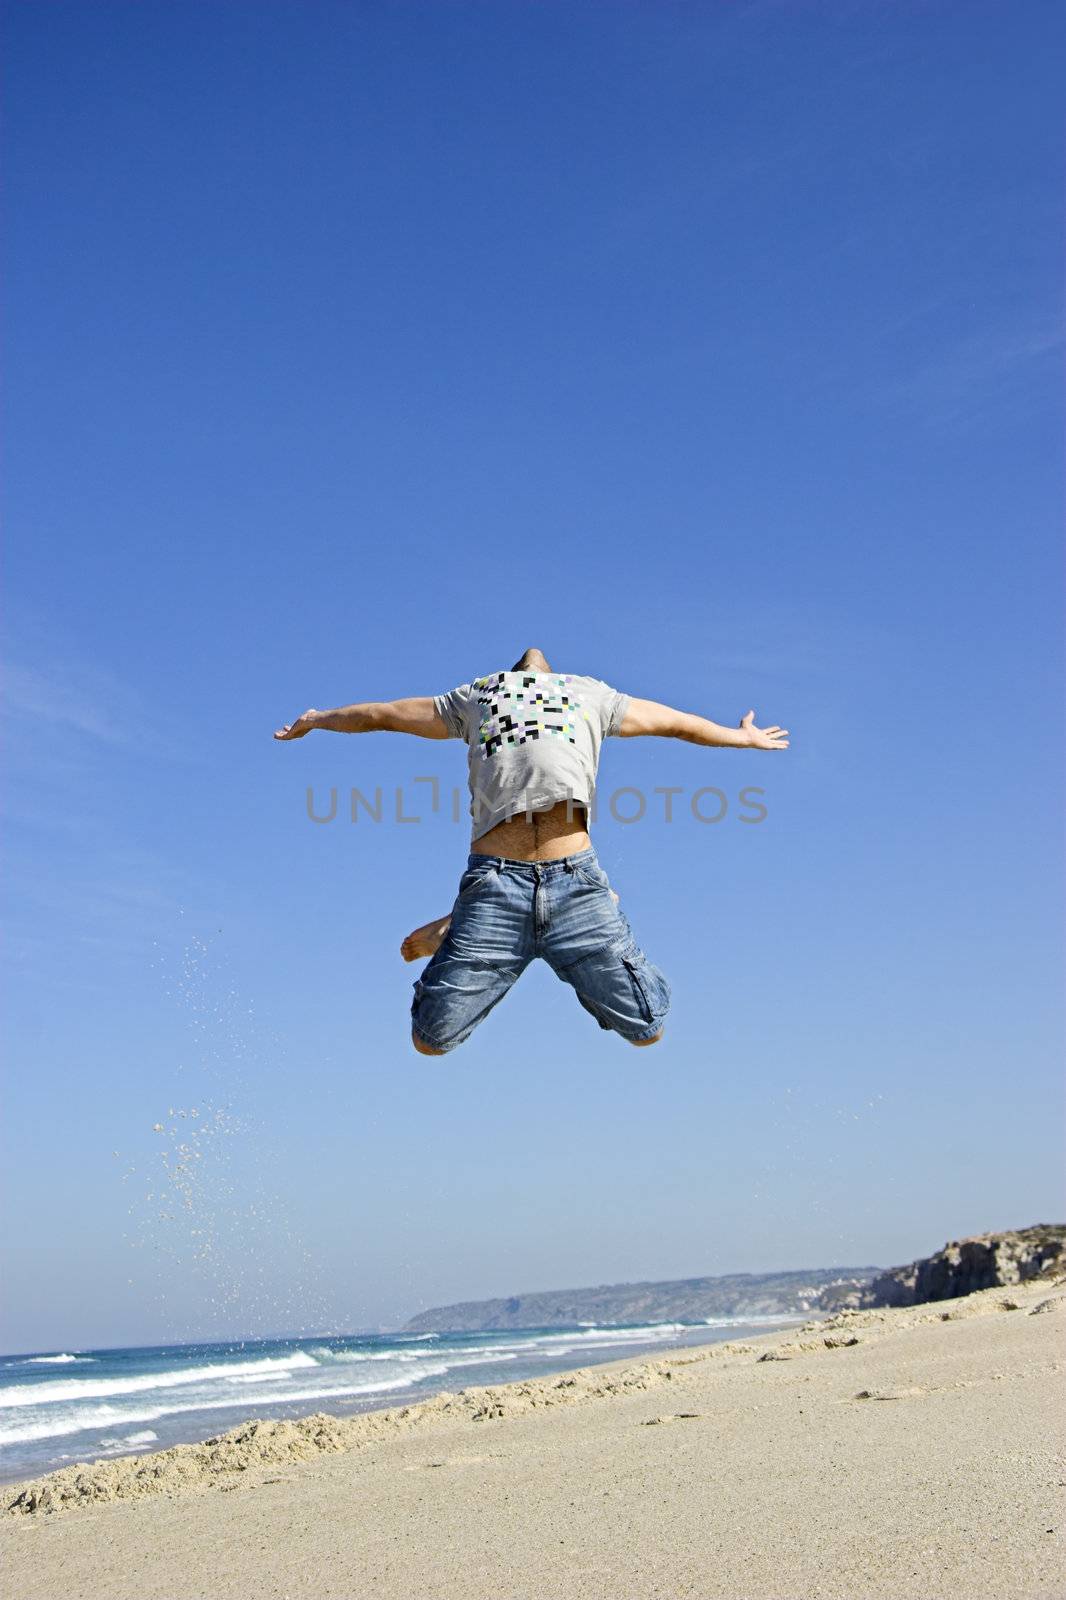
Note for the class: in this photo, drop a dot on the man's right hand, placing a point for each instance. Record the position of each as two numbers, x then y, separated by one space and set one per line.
297 729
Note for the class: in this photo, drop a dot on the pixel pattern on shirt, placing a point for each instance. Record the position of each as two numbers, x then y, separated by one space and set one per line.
515 707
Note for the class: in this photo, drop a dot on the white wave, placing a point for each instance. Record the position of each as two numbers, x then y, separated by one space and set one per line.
345 1356
47 1361
383 1386
98 1388
441 1361
258 1377
577 1339
349 1358
130 1441
57 1426
755 1320
597 1335
582 1337
85 1420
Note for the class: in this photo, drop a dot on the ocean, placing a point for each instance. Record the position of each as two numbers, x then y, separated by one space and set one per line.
90 1405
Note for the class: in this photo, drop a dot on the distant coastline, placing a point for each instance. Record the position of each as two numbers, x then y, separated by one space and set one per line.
960 1267
809 1291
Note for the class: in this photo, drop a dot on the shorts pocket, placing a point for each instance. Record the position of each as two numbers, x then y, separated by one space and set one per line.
594 875
635 965
621 988
475 879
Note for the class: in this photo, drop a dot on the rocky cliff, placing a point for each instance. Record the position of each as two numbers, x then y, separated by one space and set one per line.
984 1262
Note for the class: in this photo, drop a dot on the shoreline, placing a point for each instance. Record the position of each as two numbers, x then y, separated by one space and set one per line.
508 1356
275 1434
911 1451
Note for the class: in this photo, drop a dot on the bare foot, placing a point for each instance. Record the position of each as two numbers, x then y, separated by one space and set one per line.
426 940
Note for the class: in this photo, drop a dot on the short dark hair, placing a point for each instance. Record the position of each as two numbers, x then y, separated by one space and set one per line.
524 662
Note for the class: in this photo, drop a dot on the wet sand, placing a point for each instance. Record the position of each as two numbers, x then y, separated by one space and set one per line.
915 1452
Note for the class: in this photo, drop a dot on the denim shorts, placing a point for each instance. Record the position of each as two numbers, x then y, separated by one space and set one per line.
506 914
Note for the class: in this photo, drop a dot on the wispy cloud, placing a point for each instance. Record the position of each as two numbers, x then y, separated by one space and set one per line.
62 696
987 373
51 686
115 903
75 880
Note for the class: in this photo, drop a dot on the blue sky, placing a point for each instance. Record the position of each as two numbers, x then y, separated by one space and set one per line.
351 348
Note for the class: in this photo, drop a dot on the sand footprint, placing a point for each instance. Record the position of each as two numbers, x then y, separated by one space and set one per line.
890 1394
448 1461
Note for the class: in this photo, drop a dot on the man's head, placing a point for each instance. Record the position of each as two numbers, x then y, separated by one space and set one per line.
531 661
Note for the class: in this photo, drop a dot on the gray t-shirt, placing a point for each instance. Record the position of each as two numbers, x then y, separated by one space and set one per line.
533 739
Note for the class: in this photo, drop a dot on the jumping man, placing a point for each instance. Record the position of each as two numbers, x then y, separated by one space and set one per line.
532 885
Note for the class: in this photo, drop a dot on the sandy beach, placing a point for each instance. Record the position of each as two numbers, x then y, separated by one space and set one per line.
912 1452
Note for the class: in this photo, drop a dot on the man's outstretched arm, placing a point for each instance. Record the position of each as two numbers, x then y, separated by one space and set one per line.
649 717
419 716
